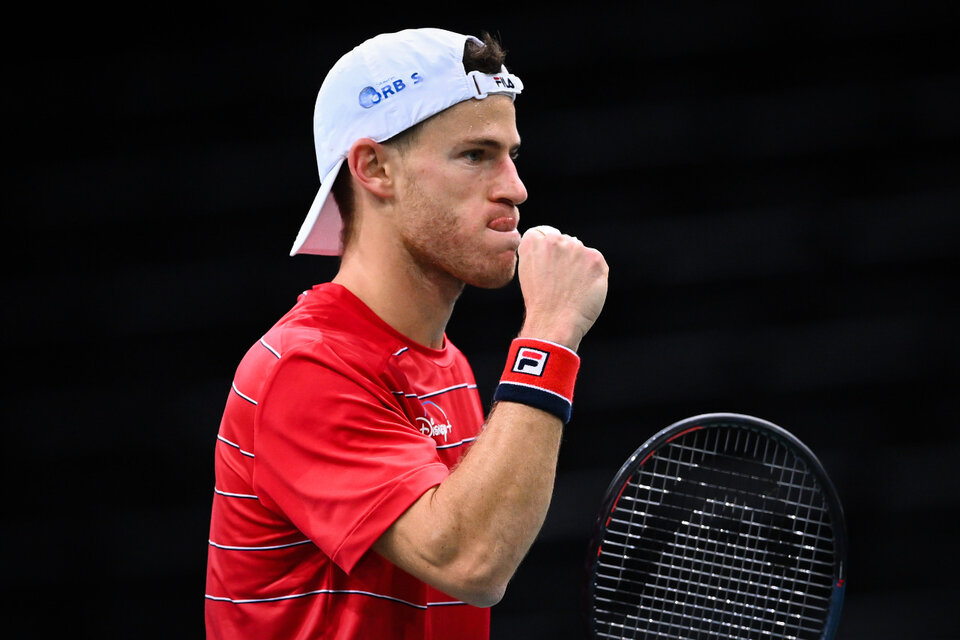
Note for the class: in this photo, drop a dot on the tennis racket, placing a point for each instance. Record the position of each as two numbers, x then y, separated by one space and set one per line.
719 526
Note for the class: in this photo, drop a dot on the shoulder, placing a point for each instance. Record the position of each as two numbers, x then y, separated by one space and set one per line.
328 323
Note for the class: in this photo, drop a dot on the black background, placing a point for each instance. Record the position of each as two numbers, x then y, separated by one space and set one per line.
775 187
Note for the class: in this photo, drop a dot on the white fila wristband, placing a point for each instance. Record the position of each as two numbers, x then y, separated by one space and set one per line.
540 374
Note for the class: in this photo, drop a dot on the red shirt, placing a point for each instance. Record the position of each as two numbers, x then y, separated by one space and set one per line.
334 426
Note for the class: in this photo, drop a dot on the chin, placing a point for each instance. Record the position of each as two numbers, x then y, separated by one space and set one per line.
491 284
494 278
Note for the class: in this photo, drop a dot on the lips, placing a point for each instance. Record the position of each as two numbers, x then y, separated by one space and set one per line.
503 224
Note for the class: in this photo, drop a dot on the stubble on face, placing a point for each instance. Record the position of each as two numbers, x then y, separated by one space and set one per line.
441 244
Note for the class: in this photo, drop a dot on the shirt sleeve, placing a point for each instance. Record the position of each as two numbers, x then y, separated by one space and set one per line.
336 454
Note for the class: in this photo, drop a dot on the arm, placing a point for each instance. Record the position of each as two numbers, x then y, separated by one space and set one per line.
468 535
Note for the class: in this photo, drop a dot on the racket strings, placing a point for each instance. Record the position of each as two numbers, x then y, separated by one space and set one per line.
737 469
754 606
755 562
821 566
819 512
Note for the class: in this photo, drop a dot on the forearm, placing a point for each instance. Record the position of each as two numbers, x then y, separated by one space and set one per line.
497 499
468 535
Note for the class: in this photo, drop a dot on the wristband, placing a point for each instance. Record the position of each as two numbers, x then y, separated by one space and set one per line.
540 374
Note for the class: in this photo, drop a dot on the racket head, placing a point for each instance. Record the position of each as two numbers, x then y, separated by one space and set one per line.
719 525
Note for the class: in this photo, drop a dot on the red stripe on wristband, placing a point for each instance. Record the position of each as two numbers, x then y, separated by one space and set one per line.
541 374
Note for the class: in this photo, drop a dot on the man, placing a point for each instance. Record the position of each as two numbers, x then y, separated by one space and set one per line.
359 492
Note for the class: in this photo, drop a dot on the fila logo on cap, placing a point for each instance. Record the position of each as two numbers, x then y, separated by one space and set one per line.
530 361
370 96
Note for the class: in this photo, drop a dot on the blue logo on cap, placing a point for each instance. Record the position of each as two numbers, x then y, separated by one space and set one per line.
370 96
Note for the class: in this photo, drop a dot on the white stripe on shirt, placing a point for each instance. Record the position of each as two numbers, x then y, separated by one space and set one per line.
235 495
269 348
233 385
228 547
335 592
234 444
455 444
464 385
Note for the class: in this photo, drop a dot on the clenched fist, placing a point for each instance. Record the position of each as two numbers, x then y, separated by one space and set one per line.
564 285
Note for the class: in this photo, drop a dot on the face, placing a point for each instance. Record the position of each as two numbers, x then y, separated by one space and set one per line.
457 193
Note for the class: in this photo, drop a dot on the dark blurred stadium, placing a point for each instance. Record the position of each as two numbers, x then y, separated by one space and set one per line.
776 187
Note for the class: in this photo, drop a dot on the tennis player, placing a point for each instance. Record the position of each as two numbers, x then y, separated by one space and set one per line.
359 491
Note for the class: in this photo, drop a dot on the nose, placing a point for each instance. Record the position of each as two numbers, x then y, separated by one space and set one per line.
508 185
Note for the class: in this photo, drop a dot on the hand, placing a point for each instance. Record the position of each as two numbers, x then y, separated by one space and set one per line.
564 285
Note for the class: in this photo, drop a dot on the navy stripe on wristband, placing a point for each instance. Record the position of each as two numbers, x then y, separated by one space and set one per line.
535 397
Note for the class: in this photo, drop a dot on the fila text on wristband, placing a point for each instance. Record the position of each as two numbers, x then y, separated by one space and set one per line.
540 374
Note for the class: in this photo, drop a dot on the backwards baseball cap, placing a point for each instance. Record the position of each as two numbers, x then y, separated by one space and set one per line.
382 87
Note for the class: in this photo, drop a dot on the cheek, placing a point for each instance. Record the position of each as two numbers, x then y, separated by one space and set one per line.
445 181
444 208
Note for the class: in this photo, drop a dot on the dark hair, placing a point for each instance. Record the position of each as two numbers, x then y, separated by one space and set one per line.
487 57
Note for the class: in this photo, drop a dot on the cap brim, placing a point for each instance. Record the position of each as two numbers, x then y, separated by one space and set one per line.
320 232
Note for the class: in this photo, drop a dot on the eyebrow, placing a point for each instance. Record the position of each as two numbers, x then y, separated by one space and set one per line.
491 143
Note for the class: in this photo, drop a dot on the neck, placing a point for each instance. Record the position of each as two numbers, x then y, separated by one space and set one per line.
415 300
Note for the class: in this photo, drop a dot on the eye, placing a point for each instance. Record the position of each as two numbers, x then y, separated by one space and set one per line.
474 155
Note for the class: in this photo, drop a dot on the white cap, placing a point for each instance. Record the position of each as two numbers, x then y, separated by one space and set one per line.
379 89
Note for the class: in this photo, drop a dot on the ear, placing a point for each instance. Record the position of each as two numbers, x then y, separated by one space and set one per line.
369 163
